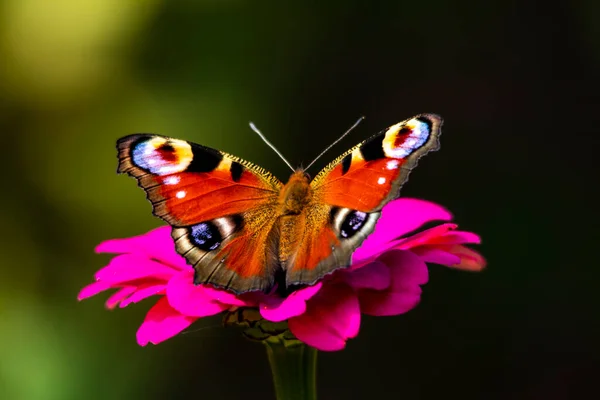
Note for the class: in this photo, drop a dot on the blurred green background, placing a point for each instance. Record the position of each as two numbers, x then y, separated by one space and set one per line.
515 82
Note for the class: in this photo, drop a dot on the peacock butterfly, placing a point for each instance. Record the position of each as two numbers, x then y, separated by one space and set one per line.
243 230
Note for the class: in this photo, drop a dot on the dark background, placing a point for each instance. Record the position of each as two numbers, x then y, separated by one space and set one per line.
515 82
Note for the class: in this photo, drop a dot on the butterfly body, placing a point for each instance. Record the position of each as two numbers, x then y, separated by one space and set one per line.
296 194
241 228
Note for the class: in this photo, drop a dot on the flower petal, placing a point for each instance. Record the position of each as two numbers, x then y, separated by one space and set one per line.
425 237
390 303
190 299
457 237
470 260
93 289
121 294
143 293
407 271
220 295
157 244
277 309
161 323
332 316
406 268
435 255
132 267
399 217
375 275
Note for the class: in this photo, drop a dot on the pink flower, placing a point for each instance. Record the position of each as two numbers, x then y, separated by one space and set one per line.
384 279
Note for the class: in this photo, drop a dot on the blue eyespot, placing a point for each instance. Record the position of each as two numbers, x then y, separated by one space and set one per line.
206 236
352 223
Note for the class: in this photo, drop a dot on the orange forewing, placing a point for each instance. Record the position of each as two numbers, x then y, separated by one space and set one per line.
371 174
363 187
207 195
184 191
361 181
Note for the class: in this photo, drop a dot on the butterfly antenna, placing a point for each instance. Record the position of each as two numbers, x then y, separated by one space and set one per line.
255 129
336 142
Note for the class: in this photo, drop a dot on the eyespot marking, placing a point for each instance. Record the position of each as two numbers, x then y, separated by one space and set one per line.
351 226
401 136
162 156
352 223
404 138
206 236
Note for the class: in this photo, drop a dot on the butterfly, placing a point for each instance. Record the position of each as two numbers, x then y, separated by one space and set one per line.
244 230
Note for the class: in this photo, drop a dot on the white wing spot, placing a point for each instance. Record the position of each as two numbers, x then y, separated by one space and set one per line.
381 180
181 194
172 180
392 164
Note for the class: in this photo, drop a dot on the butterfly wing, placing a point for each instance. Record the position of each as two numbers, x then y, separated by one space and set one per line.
221 208
350 192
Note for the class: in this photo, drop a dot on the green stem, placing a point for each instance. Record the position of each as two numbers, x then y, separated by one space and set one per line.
294 370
